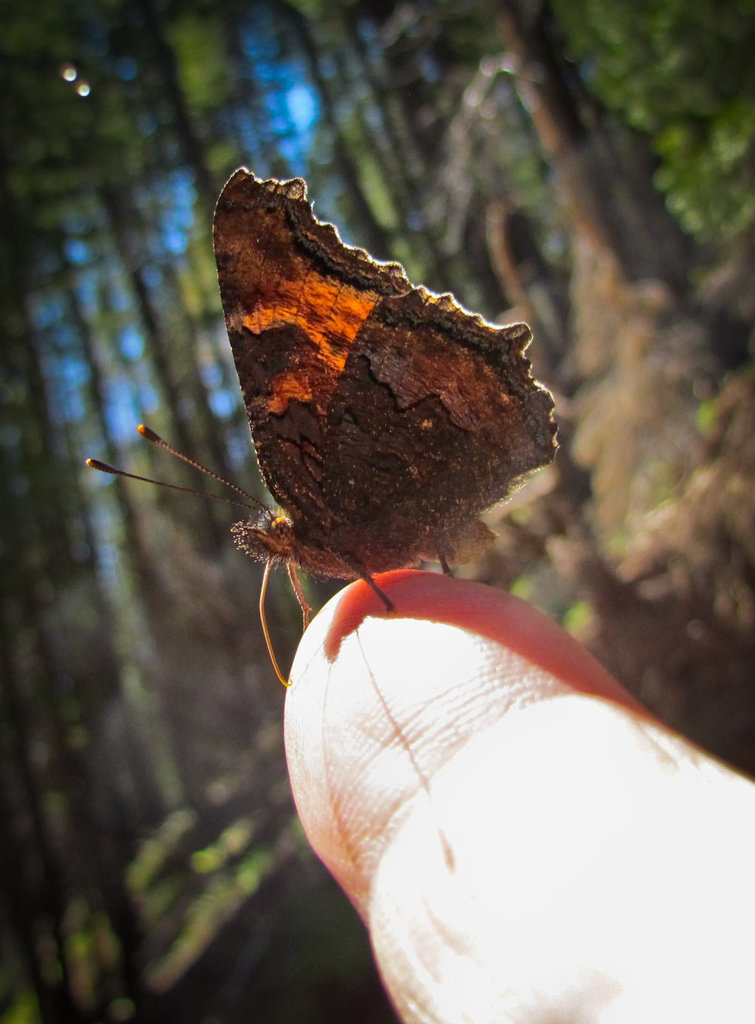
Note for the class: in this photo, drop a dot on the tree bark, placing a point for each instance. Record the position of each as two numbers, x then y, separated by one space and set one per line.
563 136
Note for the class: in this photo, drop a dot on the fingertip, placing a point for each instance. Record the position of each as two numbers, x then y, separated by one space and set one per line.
436 727
490 613
380 700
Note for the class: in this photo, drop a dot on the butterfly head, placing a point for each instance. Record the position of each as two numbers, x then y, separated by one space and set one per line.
268 538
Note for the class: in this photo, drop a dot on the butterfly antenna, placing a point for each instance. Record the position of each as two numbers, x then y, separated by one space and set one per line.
155 439
150 435
263 620
103 467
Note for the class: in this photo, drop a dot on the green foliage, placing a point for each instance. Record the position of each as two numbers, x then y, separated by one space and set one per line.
230 842
683 73
578 617
23 1010
707 415
202 62
223 896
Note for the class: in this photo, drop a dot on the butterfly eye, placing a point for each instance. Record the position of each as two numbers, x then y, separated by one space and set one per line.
280 529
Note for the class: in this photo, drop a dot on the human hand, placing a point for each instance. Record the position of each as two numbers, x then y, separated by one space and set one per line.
524 843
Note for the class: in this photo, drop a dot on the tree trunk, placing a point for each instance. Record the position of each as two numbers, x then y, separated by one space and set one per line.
563 136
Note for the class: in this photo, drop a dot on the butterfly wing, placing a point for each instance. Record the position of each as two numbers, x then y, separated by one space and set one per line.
384 418
294 299
436 418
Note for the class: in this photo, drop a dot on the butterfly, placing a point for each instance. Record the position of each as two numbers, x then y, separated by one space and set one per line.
385 418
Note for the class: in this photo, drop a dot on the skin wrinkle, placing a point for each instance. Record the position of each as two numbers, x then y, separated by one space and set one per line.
420 929
388 816
342 816
407 747
342 830
392 813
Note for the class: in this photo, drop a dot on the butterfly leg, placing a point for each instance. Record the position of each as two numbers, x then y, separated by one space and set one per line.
306 609
263 620
389 606
443 561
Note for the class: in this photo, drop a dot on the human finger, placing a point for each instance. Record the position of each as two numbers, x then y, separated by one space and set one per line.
498 809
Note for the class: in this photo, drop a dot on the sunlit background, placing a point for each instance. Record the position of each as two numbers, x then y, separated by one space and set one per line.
582 165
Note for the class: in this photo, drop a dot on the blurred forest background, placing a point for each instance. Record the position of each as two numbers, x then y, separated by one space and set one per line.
583 165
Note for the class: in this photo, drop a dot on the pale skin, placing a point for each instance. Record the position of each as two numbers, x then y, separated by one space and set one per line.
524 844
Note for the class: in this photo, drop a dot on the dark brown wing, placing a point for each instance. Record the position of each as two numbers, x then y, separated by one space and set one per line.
294 298
436 418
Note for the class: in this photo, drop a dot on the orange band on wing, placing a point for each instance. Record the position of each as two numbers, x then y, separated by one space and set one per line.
330 312
285 387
